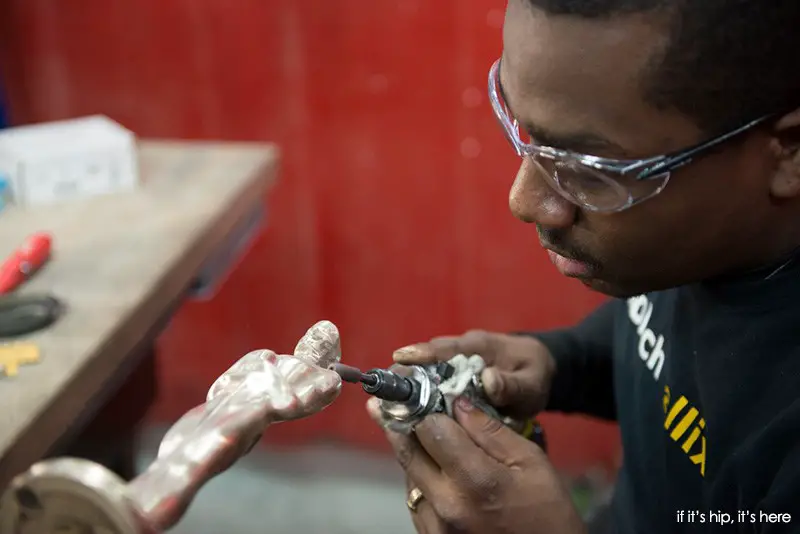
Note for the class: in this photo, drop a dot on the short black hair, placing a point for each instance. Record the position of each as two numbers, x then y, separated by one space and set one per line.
728 61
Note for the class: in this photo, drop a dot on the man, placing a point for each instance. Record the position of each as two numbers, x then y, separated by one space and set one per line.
660 167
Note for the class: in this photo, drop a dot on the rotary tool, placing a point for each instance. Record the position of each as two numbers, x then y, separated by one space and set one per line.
410 393
380 383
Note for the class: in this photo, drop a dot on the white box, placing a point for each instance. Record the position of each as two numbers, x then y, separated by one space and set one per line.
59 161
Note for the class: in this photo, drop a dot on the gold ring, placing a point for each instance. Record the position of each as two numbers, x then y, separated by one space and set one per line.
414 498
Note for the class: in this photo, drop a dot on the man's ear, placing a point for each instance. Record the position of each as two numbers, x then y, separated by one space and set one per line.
786 148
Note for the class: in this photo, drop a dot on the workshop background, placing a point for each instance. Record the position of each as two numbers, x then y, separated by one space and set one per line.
390 215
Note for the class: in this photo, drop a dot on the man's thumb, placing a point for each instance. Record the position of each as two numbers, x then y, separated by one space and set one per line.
503 389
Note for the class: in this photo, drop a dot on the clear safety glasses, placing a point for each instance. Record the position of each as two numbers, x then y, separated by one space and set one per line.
594 183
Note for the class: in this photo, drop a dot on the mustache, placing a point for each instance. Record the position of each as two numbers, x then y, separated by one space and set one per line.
557 241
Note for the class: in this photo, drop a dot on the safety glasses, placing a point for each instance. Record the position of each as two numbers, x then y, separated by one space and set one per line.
594 183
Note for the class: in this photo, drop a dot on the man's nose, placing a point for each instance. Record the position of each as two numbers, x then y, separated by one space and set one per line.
533 200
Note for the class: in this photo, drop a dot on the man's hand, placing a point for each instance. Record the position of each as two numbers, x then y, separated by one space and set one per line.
519 370
479 477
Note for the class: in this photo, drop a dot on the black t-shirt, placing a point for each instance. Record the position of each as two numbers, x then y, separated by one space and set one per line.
704 381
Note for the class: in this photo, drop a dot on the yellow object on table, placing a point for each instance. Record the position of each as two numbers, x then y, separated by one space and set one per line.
13 355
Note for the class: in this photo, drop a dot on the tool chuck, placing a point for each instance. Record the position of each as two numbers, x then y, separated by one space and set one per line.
380 383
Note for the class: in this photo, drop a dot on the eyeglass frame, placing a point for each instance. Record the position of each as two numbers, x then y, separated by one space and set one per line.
646 169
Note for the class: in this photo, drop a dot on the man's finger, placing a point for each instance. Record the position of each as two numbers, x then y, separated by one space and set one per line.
496 439
424 517
374 411
511 388
457 455
436 350
417 464
444 348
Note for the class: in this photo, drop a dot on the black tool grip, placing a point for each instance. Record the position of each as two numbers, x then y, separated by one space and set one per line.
25 314
389 386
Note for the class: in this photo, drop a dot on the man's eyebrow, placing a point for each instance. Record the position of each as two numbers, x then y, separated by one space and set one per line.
582 142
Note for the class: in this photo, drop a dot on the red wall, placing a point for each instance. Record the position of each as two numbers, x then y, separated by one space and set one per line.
391 214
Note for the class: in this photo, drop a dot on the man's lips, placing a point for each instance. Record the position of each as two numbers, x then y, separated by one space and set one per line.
568 266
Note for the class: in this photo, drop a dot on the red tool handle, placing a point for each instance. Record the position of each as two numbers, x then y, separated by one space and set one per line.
25 261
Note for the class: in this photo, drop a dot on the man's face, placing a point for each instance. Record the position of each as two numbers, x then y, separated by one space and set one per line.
580 82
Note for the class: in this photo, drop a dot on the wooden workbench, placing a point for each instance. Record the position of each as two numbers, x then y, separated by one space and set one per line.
121 264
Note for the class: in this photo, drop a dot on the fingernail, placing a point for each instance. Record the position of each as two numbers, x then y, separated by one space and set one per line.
463 404
490 381
373 408
405 353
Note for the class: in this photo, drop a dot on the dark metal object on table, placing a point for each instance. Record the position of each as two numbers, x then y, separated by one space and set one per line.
24 314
